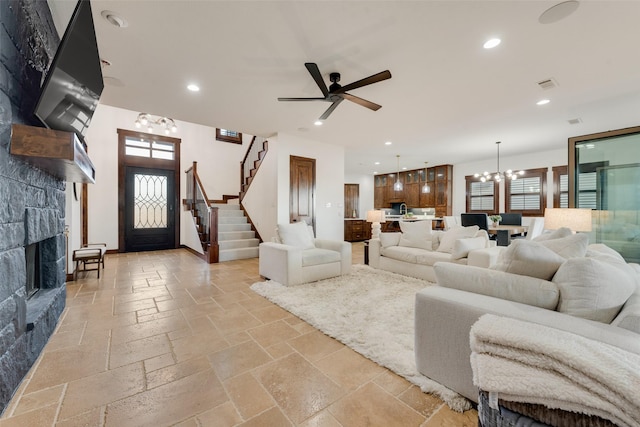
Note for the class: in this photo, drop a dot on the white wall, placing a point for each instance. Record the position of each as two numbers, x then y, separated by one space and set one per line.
267 201
218 167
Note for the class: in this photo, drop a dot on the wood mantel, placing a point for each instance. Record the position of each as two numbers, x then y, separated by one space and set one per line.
57 152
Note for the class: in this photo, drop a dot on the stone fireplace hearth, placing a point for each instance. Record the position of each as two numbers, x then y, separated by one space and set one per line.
32 202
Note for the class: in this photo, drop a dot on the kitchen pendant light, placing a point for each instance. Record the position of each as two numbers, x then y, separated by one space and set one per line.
425 188
398 184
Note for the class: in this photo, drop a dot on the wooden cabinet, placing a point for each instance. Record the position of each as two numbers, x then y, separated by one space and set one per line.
411 188
438 178
444 190
351 200
356 230
380 192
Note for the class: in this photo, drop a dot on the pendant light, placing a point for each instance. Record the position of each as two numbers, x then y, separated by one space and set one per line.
398 184
498 175
425 188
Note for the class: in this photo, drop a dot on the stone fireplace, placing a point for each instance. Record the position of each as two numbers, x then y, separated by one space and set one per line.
32 202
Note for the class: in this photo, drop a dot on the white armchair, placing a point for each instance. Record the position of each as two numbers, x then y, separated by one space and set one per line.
301 258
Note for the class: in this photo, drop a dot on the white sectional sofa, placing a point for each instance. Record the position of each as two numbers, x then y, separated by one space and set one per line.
415 250
562 282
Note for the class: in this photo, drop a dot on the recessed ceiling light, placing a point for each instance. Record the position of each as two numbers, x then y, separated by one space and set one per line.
376 163
388 143
318 123
193 87
114 19
558 12
404 168
491 43
543 102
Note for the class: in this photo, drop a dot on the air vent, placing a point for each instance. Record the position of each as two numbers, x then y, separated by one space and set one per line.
547 84
575 121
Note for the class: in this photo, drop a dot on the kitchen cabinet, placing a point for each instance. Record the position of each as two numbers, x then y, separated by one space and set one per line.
351 200
439 178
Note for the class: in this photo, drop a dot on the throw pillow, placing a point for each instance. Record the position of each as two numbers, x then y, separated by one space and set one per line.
528 258
450 236
556 234
599 249
629 317
416 234
462 247
594 288
296 234
389 239
573 246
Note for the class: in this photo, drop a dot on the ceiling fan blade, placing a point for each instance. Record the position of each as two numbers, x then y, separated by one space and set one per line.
331 108
370 105
383 75
301 99
315 73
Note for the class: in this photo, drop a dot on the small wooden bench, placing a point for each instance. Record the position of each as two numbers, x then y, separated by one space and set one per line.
91 254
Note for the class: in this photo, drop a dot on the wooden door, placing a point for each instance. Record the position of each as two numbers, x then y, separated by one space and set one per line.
302 189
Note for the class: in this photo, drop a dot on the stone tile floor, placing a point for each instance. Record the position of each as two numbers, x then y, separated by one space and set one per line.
164 339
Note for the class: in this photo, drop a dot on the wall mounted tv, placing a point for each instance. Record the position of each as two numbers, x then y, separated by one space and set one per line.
73 83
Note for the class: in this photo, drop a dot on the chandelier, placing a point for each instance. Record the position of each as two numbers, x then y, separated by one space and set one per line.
498 176
147 120
397 186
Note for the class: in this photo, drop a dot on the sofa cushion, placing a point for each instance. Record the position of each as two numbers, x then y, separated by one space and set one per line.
594 288
556 234
498 284
448 238
389 239
462 247
416 234
528 258
318 256
431 257
572 246
296 234
402 253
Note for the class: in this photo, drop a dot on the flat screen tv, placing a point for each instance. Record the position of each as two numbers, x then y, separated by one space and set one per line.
73 83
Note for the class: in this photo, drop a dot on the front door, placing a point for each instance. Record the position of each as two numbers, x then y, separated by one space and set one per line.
149 209
302 179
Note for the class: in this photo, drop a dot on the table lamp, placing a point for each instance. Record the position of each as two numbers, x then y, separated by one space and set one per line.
375 217
577 219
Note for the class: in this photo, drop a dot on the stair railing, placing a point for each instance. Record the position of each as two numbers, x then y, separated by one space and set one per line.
249 162
206 216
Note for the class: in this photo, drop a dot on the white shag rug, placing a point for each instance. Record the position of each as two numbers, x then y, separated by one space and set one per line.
369 310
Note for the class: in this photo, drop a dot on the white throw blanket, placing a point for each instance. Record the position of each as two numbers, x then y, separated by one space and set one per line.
531 363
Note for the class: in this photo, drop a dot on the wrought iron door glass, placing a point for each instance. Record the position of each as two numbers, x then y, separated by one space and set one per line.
150 201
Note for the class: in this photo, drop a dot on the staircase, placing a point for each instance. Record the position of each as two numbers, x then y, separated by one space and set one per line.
236 240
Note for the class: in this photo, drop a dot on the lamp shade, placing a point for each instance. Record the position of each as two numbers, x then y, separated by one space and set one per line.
375 216
577 219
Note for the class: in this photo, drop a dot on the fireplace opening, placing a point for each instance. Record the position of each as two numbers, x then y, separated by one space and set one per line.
34 274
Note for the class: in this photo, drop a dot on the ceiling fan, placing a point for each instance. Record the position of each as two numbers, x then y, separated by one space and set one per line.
337 93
